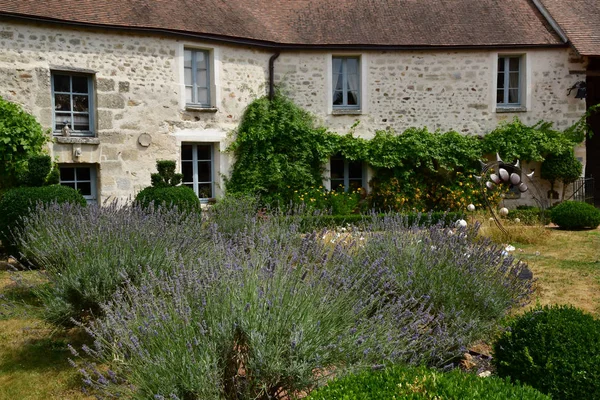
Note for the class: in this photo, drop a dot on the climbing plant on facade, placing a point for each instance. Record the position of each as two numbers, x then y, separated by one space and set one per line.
279 150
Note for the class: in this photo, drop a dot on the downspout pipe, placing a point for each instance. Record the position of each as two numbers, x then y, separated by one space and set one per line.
271 75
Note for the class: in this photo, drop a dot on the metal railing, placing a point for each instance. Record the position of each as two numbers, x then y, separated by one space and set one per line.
583 190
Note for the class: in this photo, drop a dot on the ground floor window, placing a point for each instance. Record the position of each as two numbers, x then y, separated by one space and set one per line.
345 174
81 178
198 169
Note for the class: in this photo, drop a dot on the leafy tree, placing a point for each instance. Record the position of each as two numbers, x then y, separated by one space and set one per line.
562 167
21 137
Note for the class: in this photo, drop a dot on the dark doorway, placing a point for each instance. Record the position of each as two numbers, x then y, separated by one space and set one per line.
593 143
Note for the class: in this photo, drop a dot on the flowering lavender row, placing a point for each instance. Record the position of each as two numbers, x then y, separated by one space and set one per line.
87 252
265 310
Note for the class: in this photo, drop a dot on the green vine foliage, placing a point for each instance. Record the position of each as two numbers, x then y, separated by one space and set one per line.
278 149
516 140
21 137
280 153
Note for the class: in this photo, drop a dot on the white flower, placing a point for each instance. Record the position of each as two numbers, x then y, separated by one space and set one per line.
484 374
471 207
509 248
461 223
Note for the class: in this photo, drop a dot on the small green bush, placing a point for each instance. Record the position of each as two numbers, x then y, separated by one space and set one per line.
575 215
405 383
554 349
166 175
164 191
309 223
528 215
16 204
182 197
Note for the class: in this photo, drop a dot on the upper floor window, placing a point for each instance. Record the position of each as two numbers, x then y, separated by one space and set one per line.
196 70
345 174
81 178
509 91
197 168
73 103
346 82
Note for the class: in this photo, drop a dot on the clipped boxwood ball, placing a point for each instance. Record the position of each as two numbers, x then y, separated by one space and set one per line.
408 383
575 215
19 202
554 349
181 197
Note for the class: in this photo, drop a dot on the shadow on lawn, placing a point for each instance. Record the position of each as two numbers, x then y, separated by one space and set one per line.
42 353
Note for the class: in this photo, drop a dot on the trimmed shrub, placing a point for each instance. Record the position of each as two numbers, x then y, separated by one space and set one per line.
166 175
528 215
309 223
164 191
554 349
181 197
400 382
18 203
575 215
89 252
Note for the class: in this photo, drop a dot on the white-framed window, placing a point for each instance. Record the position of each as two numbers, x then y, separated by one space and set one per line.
509 87
346 85
196 75
73 103
197 167
82 178
346 175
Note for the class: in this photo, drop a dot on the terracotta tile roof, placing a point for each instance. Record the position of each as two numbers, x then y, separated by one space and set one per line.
418 23
580 20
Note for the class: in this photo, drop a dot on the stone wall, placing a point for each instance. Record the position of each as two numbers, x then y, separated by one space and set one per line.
138 83
438 89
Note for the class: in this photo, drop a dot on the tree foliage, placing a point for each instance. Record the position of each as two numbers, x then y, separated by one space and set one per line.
21 137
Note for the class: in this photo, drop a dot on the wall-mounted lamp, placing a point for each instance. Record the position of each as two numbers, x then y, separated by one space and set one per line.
581 90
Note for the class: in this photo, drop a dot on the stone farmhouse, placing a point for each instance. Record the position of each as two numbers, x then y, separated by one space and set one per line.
124 83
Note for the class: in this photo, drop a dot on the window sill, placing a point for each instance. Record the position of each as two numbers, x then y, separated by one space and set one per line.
190 107
76 140
511 109
345 112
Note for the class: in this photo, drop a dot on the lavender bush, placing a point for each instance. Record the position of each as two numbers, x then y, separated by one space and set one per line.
86 253
462 274
257 318
193 311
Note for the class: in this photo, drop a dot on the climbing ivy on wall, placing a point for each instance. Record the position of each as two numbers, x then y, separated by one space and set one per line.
279 150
